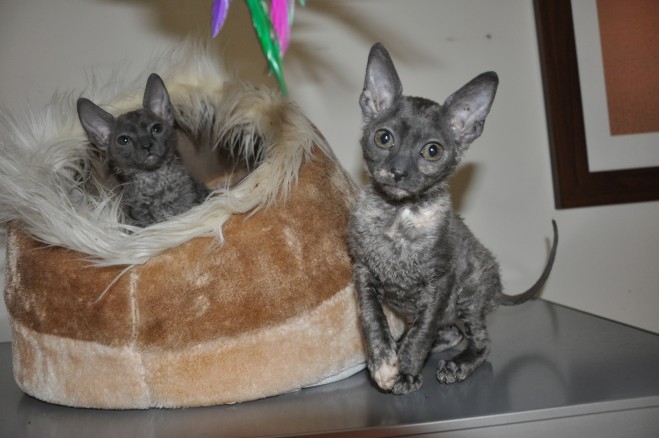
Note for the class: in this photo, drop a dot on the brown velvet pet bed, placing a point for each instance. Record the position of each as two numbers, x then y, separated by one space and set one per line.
246 296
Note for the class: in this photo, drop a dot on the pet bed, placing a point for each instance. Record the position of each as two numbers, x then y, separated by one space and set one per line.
246 296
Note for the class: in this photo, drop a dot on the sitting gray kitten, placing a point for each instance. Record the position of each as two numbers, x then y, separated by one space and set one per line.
410 250
140 149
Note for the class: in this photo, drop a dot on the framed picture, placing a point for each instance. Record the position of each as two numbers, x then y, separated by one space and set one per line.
575 184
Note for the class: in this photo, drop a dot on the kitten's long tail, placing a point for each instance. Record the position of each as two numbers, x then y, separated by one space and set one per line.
511 300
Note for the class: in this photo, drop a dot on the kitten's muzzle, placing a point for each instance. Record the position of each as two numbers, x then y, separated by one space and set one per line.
151 161
398 174
396 192
152 156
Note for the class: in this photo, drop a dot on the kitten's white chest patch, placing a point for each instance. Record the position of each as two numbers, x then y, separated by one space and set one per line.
424 217
415 221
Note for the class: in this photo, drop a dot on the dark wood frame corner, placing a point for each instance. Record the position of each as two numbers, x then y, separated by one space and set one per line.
574 184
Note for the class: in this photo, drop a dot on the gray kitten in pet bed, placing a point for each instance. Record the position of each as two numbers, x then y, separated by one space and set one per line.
410 250
140 149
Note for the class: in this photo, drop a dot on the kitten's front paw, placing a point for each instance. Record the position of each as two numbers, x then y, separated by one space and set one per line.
407 383
451 372
386 373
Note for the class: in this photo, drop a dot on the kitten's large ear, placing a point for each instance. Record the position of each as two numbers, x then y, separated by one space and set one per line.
156 99
468 107
96 122
381 86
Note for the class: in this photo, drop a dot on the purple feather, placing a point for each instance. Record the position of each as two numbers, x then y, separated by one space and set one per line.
219 14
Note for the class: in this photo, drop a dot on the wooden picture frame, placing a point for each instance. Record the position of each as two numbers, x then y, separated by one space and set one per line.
574 184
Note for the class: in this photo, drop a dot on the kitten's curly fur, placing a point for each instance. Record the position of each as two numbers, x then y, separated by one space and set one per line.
411 251
140 149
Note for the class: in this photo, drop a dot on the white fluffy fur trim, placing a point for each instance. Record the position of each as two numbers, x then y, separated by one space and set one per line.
43 153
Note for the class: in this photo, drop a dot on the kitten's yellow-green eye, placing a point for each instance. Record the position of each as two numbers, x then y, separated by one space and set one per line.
384 139
432 151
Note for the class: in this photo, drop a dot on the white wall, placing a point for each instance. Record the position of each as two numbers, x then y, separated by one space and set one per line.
607 260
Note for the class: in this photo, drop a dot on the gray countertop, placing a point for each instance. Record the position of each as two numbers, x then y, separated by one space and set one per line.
548 364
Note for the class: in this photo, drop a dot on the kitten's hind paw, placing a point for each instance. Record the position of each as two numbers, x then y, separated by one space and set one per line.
407 383
451 372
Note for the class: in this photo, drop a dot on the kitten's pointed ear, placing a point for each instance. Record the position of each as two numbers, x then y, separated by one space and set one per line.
469 106
381 86
96 122
156 99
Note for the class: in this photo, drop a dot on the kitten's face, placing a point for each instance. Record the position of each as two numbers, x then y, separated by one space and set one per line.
412 145
140 140
407 149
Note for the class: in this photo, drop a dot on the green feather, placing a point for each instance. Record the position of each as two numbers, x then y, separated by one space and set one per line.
266 35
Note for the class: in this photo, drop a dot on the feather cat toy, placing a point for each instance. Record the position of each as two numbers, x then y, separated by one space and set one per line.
410 250
272 25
